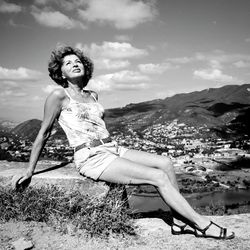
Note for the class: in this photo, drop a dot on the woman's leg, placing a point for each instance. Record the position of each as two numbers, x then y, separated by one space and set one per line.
160 162
155 161
124 171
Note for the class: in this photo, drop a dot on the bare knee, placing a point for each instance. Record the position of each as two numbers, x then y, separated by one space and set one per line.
161 178
166 164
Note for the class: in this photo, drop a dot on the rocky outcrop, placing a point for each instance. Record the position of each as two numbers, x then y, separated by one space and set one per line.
63 175
152 233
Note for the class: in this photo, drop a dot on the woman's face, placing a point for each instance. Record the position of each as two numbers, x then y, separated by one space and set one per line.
72 67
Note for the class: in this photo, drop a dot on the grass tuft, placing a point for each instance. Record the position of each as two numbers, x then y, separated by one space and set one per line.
68 212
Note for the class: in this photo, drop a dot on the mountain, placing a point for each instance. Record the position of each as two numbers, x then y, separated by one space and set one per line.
7 125
224 110
29 130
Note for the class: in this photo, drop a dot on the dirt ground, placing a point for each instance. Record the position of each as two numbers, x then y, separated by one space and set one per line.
151 234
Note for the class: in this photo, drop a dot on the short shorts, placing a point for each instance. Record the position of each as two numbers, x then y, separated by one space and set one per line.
91 162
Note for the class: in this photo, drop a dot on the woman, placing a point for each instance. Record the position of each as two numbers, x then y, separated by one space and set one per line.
98 157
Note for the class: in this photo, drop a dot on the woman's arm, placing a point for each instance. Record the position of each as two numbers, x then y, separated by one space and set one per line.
52 109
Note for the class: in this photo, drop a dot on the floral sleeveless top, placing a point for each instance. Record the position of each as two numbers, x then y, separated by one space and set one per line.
82 122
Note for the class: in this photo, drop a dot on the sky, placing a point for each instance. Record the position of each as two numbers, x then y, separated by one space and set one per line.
142 49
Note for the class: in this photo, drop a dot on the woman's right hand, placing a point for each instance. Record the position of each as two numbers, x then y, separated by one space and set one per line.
21 181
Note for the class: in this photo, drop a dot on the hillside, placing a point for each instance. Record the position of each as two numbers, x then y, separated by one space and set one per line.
224 110
29 130
221 109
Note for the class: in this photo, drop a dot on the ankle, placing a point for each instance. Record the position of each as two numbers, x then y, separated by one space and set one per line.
201 223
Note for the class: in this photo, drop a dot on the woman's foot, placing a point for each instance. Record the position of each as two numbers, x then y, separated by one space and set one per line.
178 227
212 230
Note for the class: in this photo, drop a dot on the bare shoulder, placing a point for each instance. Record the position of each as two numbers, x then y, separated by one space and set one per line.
57 94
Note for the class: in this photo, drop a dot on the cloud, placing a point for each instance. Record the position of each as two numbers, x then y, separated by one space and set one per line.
64 4
113 50
37 98
128 76
112 55
214 75
215 64
19 74
111 64
123 14
151 68
6 93
6 7
11 89
247 39
41 2
242 64
180 60
49 88
217 58
8 84
123 38
55 19
123 80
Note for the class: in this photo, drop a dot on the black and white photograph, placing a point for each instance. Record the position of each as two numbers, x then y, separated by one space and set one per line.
124 124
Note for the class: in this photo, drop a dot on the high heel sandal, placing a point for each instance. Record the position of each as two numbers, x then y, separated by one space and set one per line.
223 232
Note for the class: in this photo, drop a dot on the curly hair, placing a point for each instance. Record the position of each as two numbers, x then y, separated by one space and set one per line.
56 61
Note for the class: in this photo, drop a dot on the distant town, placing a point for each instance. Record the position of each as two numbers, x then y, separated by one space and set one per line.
203 162
192 149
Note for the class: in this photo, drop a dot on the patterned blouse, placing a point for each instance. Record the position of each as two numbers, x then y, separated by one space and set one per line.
82 122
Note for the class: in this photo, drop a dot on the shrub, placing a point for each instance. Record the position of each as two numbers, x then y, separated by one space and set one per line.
68 211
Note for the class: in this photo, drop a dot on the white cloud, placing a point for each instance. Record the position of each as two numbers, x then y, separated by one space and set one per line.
6 7
215 64
220 57
125 80
49 88
41 2
11 89
123 38
111 64
113 50
55 19
214 75
123 14
151 68
37 98
128 76
180 60
112 55
216 59
242 64
9 84
19 74
64 4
